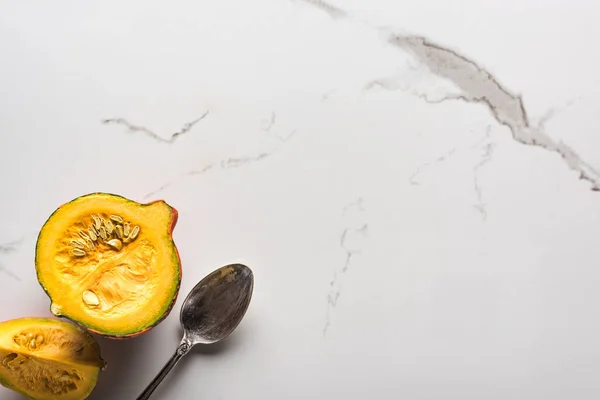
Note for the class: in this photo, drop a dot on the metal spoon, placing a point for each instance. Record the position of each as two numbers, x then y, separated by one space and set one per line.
210 312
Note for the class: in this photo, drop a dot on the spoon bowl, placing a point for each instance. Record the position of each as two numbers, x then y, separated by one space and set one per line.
217 304
210 312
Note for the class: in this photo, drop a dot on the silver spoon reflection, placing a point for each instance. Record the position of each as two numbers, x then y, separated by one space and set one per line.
210 312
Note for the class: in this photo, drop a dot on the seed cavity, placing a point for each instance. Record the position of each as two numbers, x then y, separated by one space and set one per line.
29 340
90 299
48 378
119 231
115 244
112 231
78 252
134 233
116 219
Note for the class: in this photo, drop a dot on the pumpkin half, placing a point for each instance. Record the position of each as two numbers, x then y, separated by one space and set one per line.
48 359
110 264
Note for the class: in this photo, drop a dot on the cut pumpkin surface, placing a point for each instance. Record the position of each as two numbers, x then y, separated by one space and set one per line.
45 359
110 263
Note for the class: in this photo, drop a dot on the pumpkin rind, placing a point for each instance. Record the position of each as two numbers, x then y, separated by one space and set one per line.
110 264
48 359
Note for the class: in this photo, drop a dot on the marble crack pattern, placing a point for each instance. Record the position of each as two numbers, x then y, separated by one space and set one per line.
486 157
476 85
9 273
349 251
234 162
350 240
8 248
483 145
333 11
479 86
229 163
269 124
135 128
190 173
413 178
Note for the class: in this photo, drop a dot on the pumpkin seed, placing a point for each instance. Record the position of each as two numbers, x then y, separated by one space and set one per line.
21 340
126 229
90 298
109 227
119 231
115 244
102 233
97 222
78 252
90 244
134 232
78 243
84 235
92 233
117 219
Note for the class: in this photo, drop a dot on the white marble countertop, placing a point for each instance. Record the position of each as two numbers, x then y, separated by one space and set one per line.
411 182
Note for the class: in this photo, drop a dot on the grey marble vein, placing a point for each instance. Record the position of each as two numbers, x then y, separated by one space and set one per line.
7 248
350 252
228 163
9 273
160 189
479 86
235 162
483 145
333 11
270 122
486 157
200 171
136 128
335 290
186 174
413 177
10 247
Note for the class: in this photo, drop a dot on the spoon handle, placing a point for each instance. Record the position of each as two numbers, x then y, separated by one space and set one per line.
182 350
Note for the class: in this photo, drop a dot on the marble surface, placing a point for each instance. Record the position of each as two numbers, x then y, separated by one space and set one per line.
415 185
